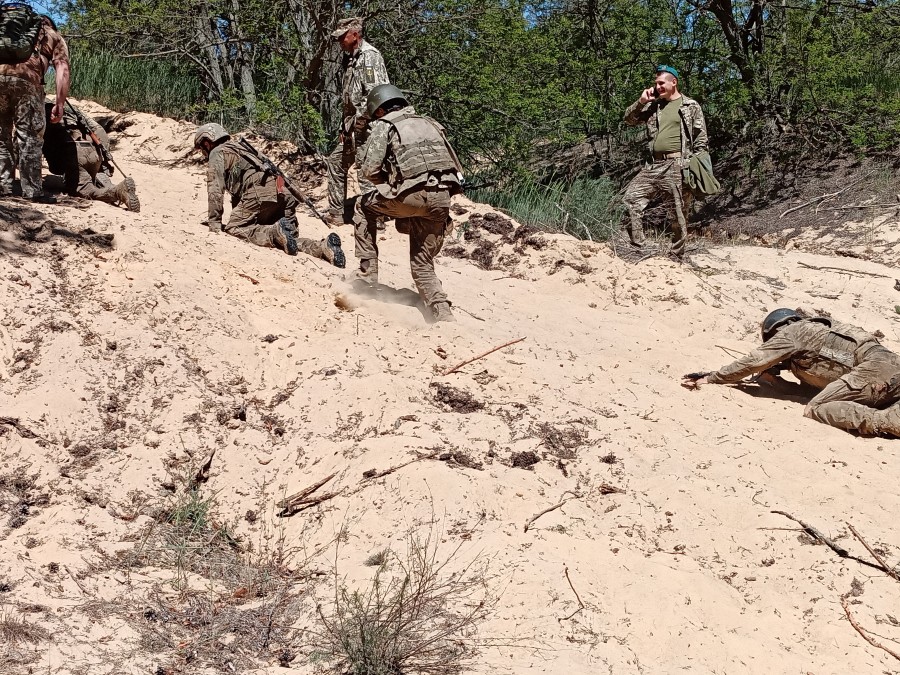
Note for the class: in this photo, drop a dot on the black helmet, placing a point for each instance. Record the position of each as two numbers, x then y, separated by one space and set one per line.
381 96
776 320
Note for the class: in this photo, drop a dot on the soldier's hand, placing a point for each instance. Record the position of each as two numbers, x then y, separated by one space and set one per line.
215 227
694 380
56 114
647 96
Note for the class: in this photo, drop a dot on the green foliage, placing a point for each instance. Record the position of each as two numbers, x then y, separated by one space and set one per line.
162 87
585 208
515 81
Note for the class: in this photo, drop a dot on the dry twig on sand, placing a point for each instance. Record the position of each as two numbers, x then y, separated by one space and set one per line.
303 500
480 356
843 270
371 474
887 569
860 630
577 597
605 489
14 422
815 534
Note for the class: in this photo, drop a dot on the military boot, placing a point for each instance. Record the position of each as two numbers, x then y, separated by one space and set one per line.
283 239
126 194
441 311
367 272
331 249
334 218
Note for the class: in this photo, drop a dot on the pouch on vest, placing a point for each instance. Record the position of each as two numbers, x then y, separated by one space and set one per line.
20 27
840 345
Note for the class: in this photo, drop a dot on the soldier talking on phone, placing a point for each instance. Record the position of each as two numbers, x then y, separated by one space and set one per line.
676 130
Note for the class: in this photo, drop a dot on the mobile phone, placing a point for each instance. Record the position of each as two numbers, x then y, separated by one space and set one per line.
655 91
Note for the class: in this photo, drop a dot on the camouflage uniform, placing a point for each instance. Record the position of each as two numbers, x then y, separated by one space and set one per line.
22 106
662 175
70 152
415 172
257 205
363 71
859 379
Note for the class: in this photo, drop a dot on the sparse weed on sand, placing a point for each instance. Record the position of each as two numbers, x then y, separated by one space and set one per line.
419 614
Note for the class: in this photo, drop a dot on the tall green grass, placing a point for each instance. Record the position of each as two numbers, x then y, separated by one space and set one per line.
145 85
587 208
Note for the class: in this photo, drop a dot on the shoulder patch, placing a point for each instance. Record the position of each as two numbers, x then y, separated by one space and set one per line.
370 75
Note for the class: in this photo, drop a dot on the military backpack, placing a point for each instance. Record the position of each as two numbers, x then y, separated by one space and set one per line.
20 27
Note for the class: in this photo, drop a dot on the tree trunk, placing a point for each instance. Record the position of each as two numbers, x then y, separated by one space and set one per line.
206 37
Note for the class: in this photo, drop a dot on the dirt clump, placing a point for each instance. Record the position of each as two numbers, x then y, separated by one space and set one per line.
524 460
457 400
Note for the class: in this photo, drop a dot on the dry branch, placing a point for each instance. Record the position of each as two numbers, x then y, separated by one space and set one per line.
480 356
605 489
815 534
860 630
549 509
577 597
253 281
887 569
202 474
843 270
819 199
302 500
14 422
372 474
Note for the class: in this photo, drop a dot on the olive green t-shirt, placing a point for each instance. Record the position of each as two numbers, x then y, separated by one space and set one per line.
669 137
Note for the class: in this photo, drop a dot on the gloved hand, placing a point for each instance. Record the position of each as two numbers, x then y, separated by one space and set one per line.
215 227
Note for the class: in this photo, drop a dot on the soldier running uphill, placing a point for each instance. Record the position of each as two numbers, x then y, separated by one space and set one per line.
78 149
415 172
263 211
858 378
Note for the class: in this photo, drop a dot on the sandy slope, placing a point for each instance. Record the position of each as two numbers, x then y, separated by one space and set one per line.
122 360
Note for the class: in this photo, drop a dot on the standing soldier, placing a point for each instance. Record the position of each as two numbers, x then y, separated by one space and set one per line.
363 70
71 150
29 43
263 211
415 172
676 131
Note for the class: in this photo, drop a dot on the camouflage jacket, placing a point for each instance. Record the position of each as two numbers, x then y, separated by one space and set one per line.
421 155
693 126
817 351
229 170
363 71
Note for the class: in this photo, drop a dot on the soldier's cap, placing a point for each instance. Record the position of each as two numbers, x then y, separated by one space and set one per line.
346 25
667 69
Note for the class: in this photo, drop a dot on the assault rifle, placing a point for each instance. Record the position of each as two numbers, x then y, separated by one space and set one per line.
267 165
106 160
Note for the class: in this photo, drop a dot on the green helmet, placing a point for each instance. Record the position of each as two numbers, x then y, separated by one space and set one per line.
777 319
215 133
381 96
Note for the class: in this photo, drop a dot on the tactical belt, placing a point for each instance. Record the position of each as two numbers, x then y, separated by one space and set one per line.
662 156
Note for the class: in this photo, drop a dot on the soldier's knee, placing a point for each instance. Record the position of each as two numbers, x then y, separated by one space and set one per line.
812 412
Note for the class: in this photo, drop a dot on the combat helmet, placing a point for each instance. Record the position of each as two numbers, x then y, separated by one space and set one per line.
776 319
215 133
381 95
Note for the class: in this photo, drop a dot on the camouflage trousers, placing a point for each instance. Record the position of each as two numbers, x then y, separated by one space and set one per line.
22 106
84 177
422 213
256 215
865 399
338 164
659 179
